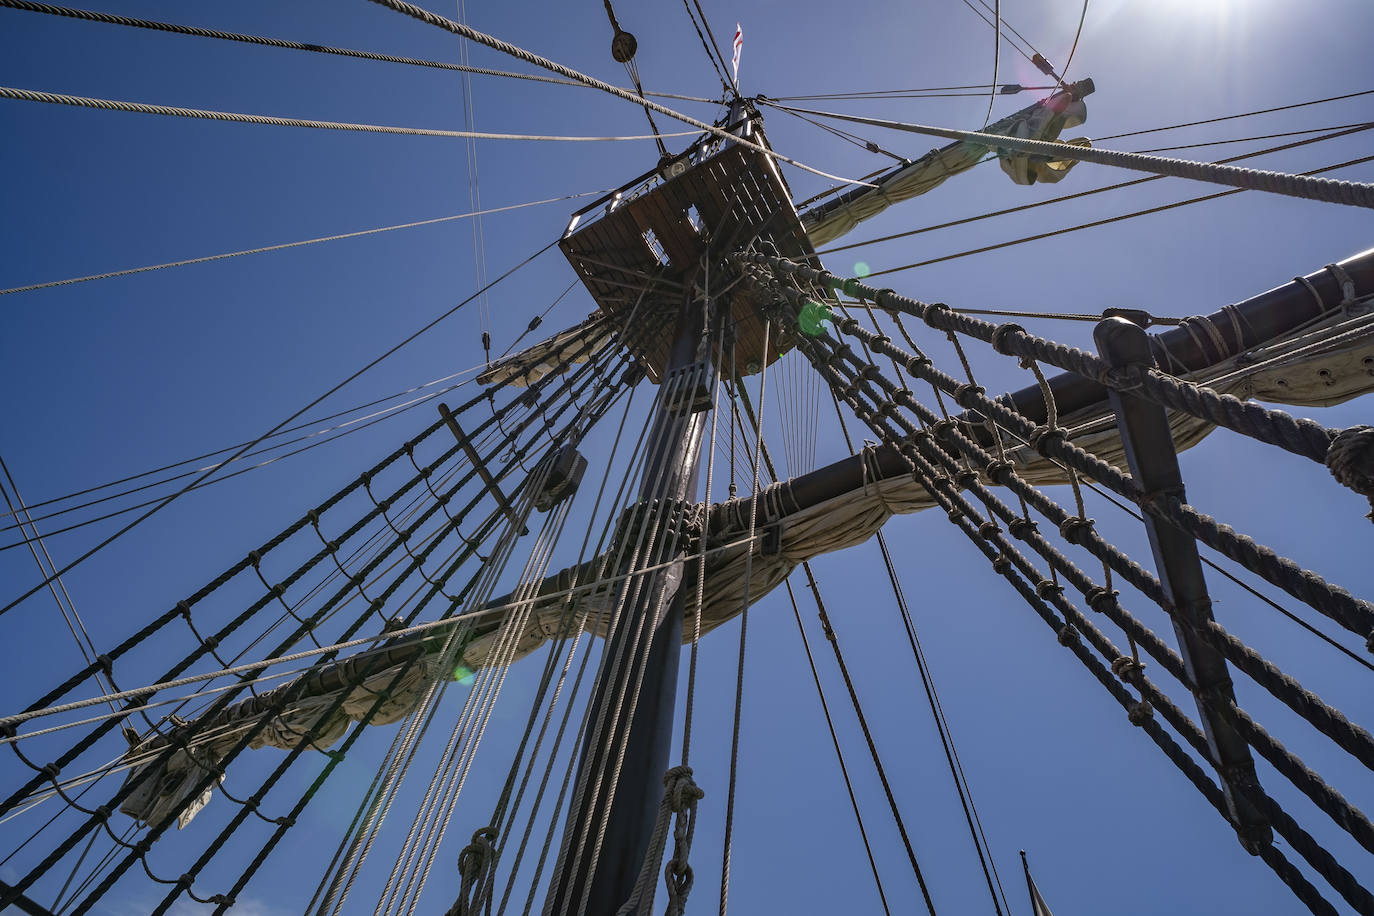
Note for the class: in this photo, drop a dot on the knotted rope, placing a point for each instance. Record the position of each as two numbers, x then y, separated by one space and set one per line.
1350 459
474 865
680 797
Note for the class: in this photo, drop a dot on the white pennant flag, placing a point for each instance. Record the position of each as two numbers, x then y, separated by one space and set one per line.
738 44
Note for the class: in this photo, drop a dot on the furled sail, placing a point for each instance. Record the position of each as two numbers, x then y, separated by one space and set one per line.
1044 120
1323 363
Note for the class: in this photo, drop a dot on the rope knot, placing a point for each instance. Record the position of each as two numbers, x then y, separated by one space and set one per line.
1046 589
966 392
1128 668
1073 528
1022 528
474 857
879 295
933 309
999 337
917 365
1140 712
1350 459
997 471
682 796
1042 437
474 862
1067 635
681 789
1101 598
940 427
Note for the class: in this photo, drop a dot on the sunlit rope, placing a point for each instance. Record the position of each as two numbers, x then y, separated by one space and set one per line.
93 16
1090 192
1104 222
294 416
326 238
53 98
504 47
1349 193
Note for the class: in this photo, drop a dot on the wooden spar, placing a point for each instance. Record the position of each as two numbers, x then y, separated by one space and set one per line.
1144 427
480 465
1271 314
1259 320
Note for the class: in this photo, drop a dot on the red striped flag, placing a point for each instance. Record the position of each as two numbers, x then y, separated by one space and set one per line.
738 44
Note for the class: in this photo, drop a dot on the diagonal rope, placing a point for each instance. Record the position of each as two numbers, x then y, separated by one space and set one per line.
53 98
295 415
284 245
1334 134
110 19
1349 193
1103 222
416 12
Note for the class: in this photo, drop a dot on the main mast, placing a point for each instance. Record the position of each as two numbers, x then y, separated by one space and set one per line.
652 257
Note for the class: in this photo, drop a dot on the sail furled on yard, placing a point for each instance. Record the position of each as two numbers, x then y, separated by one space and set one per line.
1322 364
1045 120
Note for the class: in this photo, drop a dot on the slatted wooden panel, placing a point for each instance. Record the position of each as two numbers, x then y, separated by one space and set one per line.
740 198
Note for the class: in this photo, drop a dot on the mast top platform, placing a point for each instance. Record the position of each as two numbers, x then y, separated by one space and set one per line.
664 236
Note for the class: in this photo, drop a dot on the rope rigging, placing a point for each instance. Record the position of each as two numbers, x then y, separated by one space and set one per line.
94 16
1350 193
1335 134
367 613
167 500
415 12
390 602
53 98
932 447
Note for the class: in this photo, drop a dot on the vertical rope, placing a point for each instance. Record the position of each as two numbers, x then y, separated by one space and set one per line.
743 634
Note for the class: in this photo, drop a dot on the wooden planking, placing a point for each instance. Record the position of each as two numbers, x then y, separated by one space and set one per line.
734 192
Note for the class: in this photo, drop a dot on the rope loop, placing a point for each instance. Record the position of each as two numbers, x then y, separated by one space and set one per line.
682 794
1347 285
1041 437
997 471
1140 712
881 294
1067 635
940 427
967 392
473 863
1072 529
1100 599
917 365
1350 459
1128 669
1000 335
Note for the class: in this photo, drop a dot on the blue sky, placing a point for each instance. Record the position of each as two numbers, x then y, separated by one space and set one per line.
111 378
